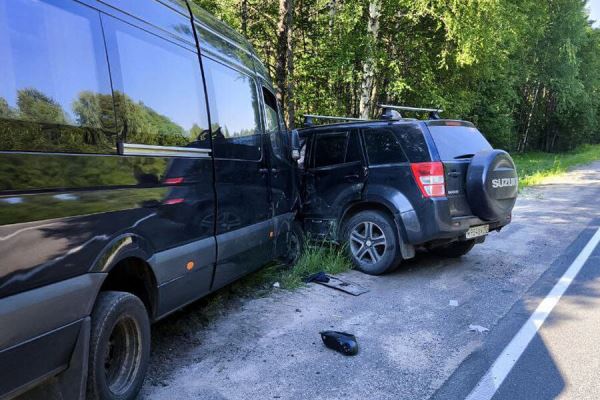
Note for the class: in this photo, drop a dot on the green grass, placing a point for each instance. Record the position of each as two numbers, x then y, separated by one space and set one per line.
536 168
327 257
323 256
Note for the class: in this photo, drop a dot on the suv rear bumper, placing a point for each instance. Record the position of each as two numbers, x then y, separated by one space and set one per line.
436 223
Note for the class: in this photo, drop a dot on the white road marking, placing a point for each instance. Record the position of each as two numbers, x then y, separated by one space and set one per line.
491 381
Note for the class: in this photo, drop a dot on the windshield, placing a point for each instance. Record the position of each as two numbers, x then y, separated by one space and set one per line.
455 142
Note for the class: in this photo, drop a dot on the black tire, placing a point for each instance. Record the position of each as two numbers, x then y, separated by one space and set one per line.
294 246
454 249
119 347
372 258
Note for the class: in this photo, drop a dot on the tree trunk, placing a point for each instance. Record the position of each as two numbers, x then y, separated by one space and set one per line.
244 17
286 10
290 104
368 79
523 143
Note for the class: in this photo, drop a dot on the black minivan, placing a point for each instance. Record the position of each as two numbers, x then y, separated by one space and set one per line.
144 163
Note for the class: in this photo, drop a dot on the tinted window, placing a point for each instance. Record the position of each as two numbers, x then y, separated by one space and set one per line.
383 146
272 120
271 114
353 153
234 112
413 142
159 92
330 149
456 141
55 88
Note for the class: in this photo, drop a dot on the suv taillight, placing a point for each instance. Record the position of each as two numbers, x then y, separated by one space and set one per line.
430 178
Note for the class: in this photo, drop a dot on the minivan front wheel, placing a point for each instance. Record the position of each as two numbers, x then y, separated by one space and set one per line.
119 347
372 242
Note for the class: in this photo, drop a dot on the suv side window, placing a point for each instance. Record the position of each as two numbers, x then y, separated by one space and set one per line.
234 112
413 142
55 92
383 147
158 88
333 148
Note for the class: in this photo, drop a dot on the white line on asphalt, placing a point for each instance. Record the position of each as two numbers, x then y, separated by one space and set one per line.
491 381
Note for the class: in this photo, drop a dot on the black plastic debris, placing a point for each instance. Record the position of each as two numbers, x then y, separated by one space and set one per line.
341 342
318 277
336 283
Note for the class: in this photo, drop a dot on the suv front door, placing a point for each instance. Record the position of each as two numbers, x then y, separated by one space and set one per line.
335 176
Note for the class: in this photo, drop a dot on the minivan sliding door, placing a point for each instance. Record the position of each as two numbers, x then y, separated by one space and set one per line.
163 120
244 222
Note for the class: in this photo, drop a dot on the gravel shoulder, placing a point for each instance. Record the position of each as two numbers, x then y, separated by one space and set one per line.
411 340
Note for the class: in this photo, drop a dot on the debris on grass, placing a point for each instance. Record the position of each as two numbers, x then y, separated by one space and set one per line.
453 303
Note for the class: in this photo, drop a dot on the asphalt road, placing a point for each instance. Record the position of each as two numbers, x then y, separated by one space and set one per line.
413 344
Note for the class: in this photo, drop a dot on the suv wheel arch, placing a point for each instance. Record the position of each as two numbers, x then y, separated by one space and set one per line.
407 250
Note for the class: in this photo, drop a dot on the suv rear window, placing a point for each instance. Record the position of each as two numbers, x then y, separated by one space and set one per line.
456 141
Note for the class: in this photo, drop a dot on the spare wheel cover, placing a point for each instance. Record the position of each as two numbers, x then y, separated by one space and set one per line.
492 184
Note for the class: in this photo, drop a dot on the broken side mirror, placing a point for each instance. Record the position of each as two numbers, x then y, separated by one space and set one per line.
295 144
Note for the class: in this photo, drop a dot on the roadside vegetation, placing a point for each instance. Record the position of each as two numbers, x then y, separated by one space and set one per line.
536 168
526 72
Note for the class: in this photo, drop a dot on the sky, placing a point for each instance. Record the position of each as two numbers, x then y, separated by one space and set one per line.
594 7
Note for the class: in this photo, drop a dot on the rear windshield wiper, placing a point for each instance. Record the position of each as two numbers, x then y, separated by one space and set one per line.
464 156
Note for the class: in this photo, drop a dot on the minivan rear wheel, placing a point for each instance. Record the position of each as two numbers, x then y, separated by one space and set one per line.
372 242
454 249
119 347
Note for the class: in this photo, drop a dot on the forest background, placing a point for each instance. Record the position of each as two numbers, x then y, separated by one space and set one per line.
526 72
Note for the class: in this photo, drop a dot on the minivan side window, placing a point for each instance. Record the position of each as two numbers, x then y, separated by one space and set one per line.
234 112
272 125
158 88
271 113
55 92
383 147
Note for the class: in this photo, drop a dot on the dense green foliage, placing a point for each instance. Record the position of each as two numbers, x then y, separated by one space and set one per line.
527 72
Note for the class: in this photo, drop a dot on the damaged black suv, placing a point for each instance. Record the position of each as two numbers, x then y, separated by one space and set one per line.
388 187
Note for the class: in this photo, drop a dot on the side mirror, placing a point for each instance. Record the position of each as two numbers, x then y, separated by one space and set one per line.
295 144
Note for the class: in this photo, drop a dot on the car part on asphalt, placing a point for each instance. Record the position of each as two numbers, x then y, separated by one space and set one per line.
341 342
478 329
318 277
342 285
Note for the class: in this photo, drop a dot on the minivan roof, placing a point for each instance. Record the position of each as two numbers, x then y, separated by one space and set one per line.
218 27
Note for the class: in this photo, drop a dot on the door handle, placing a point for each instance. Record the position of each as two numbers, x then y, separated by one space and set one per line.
352 177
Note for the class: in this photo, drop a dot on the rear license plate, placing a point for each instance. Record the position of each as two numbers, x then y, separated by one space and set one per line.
477 231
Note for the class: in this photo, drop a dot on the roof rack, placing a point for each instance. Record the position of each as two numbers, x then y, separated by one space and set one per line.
434 113
309 119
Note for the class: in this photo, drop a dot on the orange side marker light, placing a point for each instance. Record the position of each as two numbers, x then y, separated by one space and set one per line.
190 265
